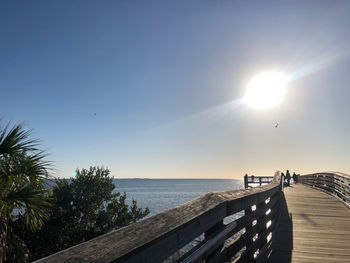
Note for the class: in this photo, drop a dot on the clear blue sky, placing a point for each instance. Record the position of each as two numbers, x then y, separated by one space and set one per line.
164 78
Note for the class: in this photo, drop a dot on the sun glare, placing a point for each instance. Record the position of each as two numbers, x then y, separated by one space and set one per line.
266 90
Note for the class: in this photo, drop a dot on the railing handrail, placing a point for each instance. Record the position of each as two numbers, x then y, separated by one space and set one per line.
158 237
347 176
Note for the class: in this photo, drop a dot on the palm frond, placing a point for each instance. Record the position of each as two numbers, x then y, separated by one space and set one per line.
23 167
16 140
33 201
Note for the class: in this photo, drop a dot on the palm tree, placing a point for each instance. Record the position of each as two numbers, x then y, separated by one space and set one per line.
22 193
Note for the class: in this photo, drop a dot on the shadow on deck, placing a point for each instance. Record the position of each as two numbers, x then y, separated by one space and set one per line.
282 246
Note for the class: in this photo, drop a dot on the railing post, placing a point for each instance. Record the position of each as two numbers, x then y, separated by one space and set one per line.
282 182
246 181
247 213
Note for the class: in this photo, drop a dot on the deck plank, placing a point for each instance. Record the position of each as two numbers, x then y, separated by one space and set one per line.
314 227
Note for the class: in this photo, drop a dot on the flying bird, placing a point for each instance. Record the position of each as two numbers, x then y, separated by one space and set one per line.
276 125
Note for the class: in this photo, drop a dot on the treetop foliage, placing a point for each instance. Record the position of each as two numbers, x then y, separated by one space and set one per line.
85 207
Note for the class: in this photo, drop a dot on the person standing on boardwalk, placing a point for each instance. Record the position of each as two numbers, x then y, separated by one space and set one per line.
295 178
288 177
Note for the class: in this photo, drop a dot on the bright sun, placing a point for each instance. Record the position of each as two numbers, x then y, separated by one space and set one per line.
266 90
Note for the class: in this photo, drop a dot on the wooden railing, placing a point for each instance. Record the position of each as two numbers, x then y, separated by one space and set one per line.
337 184
217 227
253 181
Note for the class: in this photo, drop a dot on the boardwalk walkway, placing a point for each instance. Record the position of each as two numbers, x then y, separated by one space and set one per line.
314 227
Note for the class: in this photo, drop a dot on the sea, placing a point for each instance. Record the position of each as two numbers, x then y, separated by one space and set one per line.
162 194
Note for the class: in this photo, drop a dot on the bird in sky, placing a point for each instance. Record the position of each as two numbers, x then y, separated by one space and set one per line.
276 125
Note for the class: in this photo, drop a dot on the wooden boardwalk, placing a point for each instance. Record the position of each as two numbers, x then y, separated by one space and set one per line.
314 227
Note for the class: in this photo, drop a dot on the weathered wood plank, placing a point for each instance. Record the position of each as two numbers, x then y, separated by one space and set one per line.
318 231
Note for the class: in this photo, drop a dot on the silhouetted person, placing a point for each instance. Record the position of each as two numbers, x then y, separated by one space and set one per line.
288 177
295 178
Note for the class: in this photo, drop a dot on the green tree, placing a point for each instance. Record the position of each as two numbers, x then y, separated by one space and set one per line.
85 207
22 195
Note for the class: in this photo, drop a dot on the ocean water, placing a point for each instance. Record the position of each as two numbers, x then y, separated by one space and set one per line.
162 194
